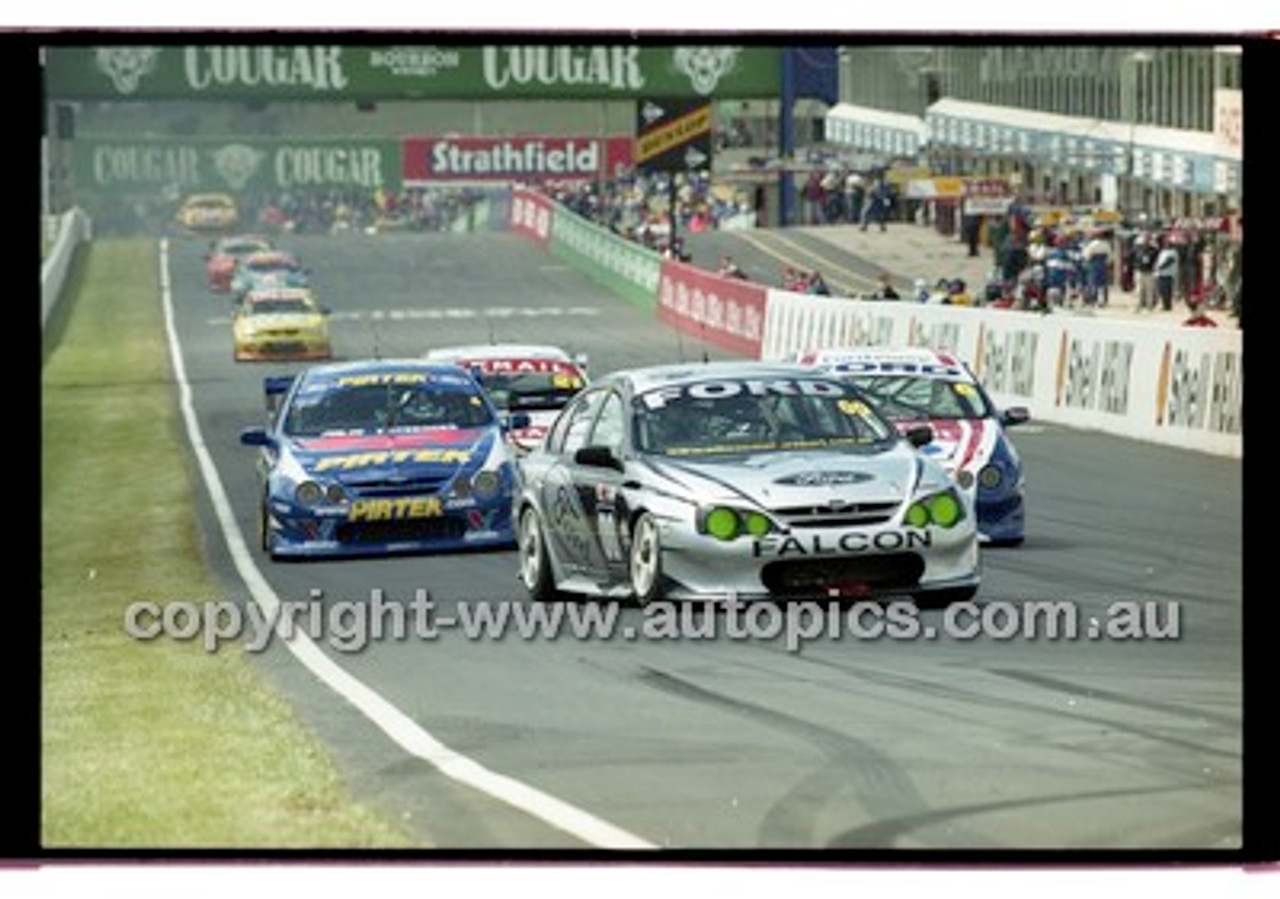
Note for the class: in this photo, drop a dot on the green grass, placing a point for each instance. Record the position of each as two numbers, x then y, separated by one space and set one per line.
152 744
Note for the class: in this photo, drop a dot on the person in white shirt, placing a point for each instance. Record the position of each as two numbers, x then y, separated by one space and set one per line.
1166 272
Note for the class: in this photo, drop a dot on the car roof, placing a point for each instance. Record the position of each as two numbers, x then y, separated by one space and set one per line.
674 374
272 255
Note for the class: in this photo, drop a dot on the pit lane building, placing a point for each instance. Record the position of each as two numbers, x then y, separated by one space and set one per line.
1141 129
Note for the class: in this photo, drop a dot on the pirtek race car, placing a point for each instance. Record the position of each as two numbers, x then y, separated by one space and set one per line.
385 456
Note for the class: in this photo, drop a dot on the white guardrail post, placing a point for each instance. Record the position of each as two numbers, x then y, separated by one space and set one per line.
68 231
1162 383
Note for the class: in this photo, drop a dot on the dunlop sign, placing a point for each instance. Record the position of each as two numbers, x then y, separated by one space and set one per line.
673 136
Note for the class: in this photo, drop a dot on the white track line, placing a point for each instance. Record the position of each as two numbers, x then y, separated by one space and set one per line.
402 729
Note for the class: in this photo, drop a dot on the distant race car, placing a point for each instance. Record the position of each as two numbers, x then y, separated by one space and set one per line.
207 213
741 480
226 252
381 457
281 323
270 268
919 386
536 379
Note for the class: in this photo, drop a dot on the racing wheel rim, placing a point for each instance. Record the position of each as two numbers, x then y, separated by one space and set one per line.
644 564
531 551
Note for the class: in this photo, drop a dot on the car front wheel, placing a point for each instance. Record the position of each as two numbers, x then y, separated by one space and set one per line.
645 560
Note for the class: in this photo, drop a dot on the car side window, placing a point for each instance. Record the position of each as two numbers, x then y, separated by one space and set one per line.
610 425
574 426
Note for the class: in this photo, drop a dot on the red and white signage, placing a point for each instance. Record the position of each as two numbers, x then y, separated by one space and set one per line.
727 312
531 159
531 216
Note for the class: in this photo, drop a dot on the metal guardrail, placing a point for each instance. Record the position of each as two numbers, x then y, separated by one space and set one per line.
66 233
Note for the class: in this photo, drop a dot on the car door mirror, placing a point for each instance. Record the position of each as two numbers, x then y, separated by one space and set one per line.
257 437
920 435
516 421
597 457
1015 415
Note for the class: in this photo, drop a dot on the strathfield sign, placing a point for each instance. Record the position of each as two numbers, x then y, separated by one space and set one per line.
263 73
530 159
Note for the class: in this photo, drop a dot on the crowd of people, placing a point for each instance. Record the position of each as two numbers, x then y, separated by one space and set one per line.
841 194
637 206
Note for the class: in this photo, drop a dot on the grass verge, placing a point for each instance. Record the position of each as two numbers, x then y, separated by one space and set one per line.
151 744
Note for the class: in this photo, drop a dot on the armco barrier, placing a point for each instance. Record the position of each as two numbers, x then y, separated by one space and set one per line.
73 228
1168 384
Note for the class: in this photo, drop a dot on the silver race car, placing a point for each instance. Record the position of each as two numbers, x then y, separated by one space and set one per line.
738 480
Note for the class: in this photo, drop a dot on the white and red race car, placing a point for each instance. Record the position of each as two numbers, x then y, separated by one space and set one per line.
535 379
919 386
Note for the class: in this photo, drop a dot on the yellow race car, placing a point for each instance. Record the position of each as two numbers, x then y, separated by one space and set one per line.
281 323
207 213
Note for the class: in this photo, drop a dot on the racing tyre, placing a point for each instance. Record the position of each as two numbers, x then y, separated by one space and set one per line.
940 599
535 566
264 532
644 562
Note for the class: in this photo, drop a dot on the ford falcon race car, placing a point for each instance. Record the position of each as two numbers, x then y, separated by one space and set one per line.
225 253
538 380
271 268
382 457
916 386
206 213
281 323
738 480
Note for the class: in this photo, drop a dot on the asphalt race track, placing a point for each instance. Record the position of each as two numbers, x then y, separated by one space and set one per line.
725 742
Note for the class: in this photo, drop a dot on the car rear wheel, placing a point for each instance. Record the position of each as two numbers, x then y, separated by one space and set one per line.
645 560
535 566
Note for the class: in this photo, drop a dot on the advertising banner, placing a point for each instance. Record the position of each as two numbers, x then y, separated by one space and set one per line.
627 268
320 71
140 167
505 159
727 312
531 215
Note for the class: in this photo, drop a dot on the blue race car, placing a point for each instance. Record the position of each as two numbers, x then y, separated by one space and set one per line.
919 386
382 457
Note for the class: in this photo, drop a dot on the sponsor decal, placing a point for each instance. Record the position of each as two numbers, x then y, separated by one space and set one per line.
374 380
726 312
614 68
318 68
825 478
519 366
350 461
414 62
779 547
126 66
1096 375
1200 391
898 367
399 509
656 399
705 66
514 158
